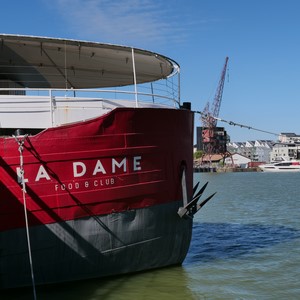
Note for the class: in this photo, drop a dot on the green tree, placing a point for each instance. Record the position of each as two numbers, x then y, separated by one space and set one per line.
198 154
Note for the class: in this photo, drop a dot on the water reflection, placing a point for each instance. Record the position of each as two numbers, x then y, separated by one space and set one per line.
211 242
165 283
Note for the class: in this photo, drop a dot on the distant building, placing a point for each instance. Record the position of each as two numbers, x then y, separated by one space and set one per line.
256 151
238 160
289 137
286 151
288 147
212 140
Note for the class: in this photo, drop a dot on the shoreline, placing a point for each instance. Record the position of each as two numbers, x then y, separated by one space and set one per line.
224 170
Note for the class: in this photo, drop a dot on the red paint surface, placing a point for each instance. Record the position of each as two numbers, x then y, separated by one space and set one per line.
154 143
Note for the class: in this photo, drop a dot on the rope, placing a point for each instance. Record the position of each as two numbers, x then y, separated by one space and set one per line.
21 148
237 124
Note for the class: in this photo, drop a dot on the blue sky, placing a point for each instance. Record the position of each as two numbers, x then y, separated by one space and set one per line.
261 38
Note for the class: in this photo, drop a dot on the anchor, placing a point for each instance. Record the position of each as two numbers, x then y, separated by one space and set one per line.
190 208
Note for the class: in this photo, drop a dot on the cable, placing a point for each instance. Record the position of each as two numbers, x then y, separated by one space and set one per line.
237 124
23 184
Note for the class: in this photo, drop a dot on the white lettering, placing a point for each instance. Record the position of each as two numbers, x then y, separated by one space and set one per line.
99 168
97 183
20 176
80 169
137 163
42 174
69 186
119 165
76 172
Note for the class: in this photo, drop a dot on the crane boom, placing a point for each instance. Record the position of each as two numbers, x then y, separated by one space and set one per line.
213 139
218 96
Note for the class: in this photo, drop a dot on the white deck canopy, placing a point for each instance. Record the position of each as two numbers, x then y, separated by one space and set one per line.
48 82
40 62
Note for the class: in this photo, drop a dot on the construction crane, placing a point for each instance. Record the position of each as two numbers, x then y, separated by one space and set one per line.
213 140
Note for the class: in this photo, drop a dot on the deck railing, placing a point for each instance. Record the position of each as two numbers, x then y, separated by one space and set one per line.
42 108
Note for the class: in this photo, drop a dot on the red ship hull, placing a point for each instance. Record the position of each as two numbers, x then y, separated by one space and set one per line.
101 195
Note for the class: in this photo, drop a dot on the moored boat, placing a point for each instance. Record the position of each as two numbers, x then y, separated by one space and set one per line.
96 166
281 166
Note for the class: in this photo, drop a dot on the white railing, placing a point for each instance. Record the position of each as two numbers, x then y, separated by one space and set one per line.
43 108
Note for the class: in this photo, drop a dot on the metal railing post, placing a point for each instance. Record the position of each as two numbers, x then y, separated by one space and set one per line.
134 78
179 86
51 108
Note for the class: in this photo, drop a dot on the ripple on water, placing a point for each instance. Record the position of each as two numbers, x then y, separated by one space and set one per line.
212 241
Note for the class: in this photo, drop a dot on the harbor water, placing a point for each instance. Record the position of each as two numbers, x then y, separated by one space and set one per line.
246 245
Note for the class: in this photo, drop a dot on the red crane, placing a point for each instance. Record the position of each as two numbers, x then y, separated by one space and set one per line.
213 140
208 117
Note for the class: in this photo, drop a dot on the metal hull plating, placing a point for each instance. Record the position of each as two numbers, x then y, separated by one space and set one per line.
102 197
96 246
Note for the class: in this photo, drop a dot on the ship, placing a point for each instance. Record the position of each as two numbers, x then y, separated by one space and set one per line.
281 165
96 161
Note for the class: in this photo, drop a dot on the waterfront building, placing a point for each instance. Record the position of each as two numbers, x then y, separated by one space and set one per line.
287 147
289 137
256 151
238 160
286 151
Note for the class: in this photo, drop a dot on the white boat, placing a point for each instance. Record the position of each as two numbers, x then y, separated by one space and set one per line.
281 166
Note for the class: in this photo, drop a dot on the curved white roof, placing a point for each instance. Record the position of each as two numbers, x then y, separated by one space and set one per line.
40 62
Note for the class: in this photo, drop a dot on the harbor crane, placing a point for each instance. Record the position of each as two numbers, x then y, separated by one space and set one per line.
209 116
214 138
